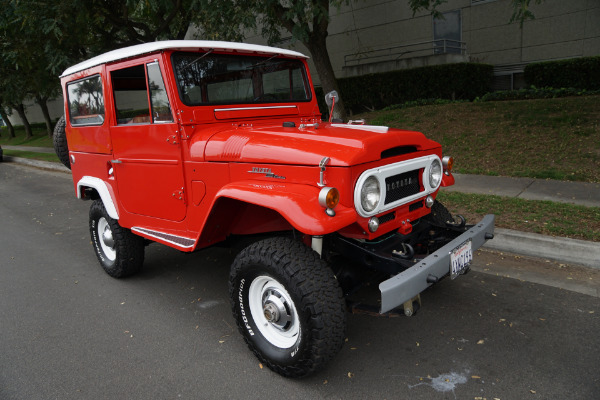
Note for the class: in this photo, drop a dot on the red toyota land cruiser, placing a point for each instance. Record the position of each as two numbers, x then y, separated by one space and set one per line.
194 143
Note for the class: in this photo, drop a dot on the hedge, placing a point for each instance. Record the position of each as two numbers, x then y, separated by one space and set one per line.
580 73
536 93
464 81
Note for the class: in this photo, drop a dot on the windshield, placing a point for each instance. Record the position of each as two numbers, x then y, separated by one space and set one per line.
206 78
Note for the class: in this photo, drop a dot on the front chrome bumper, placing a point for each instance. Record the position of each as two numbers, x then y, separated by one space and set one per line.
409 283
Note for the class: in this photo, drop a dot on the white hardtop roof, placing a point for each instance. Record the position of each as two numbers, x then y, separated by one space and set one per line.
197 45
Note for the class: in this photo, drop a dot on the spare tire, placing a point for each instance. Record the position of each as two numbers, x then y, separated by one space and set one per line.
61 148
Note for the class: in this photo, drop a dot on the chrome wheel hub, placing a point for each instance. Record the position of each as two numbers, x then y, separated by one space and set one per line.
106 239
274 312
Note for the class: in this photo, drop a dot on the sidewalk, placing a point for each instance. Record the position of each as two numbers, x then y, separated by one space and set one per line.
564 250
581 193
569 251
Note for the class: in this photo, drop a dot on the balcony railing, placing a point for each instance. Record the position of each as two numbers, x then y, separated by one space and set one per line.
419 49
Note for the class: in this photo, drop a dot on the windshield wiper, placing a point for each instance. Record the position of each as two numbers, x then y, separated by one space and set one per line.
263 61
197 59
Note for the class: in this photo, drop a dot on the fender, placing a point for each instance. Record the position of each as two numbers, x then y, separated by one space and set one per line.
298 204
447 180
104 190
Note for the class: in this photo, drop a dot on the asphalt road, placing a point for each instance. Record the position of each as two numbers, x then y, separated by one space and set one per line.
69 331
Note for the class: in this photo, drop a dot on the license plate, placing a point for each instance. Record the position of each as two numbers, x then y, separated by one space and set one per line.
460 259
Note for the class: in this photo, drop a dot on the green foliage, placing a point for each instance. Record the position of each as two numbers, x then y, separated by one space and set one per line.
422 102
463 81
544 217
521 11
535 93
581 73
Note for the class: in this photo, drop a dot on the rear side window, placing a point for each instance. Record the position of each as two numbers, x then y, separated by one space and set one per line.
86 101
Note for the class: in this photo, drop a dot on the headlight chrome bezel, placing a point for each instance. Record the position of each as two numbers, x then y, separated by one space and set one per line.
424 164
435 173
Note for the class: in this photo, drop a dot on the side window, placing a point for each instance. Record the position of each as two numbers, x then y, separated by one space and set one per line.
161 109
131 95
86 102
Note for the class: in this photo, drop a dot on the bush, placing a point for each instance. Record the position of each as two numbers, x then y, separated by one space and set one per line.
580 73
464 81
535 93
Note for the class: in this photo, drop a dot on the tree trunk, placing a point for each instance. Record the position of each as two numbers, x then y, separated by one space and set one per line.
317 45
42 102
11 128
20 108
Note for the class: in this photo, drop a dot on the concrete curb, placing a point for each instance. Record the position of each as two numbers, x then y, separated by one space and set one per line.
565 250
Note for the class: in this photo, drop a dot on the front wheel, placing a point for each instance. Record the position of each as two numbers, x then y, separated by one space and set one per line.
287 305
120 252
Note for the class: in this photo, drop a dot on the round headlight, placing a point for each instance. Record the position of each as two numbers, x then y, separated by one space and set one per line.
435 173
370 194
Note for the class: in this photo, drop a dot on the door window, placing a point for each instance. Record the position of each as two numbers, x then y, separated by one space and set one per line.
159 101
137 94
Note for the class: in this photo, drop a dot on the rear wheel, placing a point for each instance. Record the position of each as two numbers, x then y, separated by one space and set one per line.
120 252
287 305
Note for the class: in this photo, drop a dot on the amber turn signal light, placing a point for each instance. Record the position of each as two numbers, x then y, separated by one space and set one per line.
448 163
329 197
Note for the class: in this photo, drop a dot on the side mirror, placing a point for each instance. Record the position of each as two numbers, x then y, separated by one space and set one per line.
331 98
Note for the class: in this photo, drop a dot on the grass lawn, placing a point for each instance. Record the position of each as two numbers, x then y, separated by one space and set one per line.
31 155
40 137
546 138
544 217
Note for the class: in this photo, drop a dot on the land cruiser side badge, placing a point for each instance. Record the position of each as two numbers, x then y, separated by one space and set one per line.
266 171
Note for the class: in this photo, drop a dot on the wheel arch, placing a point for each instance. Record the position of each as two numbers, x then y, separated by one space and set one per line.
297 204
103 191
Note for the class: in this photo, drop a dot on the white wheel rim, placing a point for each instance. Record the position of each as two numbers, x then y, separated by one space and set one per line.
274 312
106 239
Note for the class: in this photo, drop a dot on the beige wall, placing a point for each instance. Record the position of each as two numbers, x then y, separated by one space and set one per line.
561 29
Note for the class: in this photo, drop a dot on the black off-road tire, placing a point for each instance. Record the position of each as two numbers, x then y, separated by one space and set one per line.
59 138
286 272
119 251
440 215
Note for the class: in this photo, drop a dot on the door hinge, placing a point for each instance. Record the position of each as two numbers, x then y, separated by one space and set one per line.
179 195
173 139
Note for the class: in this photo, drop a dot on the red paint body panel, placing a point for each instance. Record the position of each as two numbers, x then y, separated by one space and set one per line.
307 146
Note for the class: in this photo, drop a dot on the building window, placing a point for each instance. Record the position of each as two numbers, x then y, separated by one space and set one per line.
447 33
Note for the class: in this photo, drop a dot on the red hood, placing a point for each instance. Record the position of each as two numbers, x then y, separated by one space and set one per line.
345 145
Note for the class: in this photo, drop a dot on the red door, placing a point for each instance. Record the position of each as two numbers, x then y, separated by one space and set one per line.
147 153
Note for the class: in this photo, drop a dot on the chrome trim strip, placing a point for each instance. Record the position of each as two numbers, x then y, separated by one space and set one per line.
167 237
253 108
